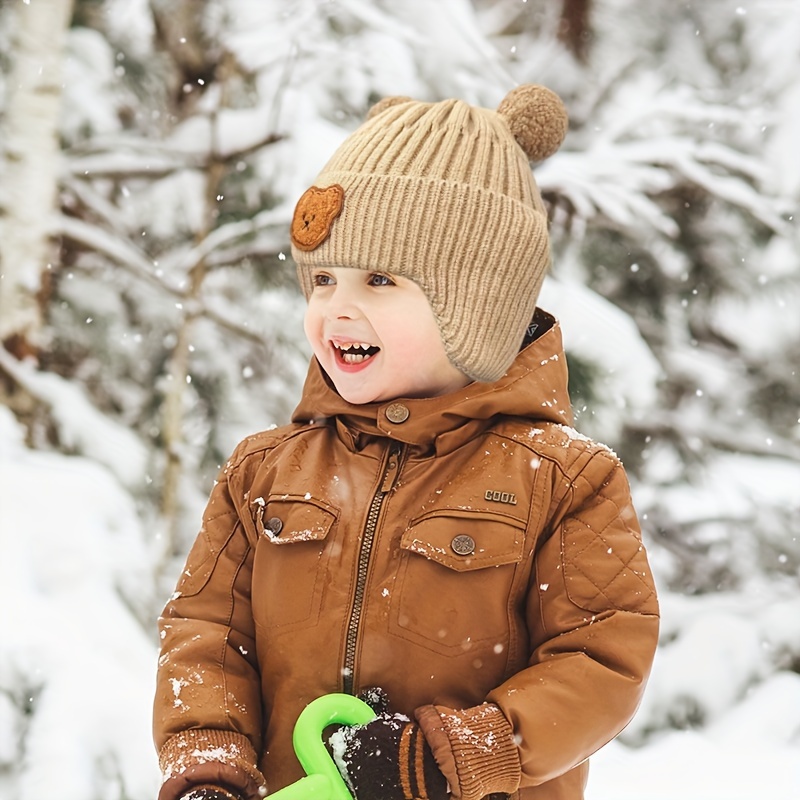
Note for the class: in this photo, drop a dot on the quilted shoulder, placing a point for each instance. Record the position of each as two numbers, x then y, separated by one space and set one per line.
602 555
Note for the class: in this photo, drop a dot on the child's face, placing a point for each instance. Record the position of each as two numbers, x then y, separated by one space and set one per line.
391 317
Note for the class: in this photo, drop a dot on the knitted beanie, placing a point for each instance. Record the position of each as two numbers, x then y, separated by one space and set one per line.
442 193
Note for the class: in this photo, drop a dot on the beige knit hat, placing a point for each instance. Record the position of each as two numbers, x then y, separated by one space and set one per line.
442 193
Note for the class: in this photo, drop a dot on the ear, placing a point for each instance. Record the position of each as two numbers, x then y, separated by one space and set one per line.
537 119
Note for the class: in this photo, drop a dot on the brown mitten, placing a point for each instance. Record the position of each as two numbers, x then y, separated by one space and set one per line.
388 759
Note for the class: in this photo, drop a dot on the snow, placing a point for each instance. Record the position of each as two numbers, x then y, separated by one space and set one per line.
600 334
689 765
89 54
680 173
765 325
81 426
76 667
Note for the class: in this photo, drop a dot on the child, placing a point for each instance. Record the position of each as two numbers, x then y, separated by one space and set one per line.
428 523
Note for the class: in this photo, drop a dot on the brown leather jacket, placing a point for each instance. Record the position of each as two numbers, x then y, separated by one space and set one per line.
472 554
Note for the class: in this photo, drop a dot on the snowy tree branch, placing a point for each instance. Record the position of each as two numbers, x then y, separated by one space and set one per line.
136 263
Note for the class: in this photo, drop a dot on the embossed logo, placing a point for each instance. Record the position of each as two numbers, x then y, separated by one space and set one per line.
501 497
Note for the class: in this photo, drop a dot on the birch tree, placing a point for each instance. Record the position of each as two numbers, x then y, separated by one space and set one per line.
30 169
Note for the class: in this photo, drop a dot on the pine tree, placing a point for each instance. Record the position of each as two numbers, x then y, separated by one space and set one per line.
664 206
171 326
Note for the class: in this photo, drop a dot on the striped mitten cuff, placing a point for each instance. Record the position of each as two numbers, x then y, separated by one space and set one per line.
388 759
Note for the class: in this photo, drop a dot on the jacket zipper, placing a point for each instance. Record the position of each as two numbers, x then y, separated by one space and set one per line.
388 480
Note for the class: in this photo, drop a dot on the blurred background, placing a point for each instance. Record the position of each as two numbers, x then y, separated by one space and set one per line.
151 153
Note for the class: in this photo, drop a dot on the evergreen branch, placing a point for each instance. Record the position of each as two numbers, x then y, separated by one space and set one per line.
133 261
184 259
154 161
674 423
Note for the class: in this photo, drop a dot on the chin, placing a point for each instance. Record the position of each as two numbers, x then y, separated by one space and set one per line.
356 397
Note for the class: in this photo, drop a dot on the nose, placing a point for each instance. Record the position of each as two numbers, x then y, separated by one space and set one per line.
343 303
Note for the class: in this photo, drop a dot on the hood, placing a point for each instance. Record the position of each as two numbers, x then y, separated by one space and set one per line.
534 387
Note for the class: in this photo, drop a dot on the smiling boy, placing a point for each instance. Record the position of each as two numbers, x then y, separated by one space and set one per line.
429 523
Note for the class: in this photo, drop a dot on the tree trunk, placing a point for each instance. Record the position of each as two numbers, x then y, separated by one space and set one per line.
574 29
179 366
30 171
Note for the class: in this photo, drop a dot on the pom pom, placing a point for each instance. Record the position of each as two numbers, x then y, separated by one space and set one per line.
386 102
537 119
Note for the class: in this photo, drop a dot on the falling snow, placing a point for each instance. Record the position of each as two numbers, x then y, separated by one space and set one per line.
680 357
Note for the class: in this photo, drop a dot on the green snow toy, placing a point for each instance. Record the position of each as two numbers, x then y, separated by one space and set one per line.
322 781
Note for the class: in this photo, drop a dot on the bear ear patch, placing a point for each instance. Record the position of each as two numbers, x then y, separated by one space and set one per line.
537 119
314 214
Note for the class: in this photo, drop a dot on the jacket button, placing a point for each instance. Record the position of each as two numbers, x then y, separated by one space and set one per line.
463 545
397 413
274 526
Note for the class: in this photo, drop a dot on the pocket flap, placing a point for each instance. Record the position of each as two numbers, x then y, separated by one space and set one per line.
288 519
465 540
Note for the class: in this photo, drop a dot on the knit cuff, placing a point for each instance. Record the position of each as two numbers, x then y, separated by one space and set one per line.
474 748
206 756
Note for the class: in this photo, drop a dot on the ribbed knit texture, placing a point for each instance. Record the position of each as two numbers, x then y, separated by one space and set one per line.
206 756
481 742
442 193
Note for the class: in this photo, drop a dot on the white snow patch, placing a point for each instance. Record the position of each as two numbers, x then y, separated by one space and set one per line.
76 664
81 426
604 336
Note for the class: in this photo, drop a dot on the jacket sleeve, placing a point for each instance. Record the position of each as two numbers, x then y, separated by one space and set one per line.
593 617
207 710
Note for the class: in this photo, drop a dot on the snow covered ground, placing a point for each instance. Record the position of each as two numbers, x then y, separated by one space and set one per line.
698 766
77 667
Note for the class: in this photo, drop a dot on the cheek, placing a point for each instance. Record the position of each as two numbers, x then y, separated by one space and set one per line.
312 325
410 341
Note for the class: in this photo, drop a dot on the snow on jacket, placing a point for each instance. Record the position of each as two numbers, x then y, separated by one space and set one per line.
472 554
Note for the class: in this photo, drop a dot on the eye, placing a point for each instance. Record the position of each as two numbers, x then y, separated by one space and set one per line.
379 279
322 279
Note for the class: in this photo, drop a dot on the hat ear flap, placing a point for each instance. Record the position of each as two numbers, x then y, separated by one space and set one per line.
537 118
386 102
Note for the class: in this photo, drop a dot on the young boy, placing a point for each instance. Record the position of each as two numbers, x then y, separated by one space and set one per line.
429 523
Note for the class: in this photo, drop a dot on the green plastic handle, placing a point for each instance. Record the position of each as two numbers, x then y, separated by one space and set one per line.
322 781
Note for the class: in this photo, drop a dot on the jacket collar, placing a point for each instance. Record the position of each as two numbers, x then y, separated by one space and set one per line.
534 387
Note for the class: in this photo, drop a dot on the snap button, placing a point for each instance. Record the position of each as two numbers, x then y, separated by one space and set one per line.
397 413
463 544
274 525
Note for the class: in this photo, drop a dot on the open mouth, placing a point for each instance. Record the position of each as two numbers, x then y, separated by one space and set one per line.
355 352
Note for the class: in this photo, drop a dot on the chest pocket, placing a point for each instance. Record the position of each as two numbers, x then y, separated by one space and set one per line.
455 582
290 560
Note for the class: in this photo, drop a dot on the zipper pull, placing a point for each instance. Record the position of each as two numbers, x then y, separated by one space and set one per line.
392 468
